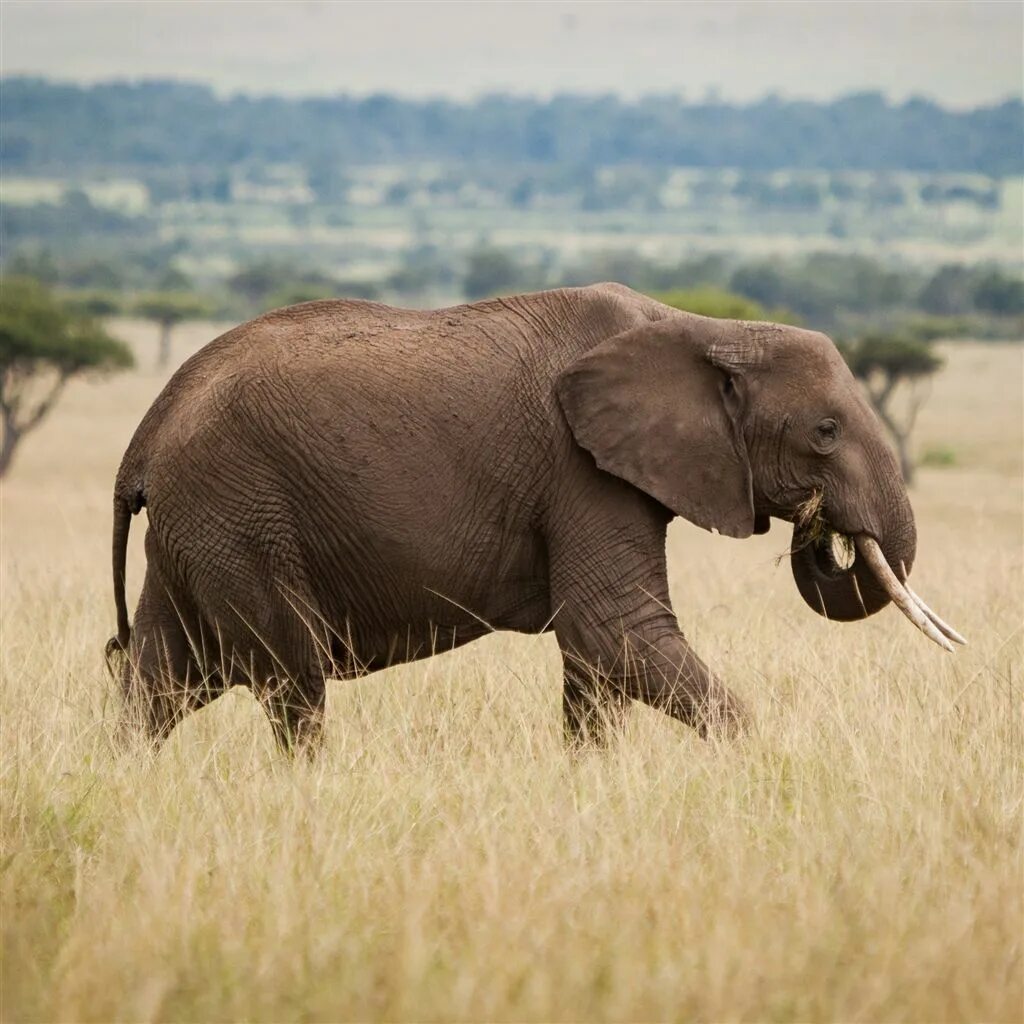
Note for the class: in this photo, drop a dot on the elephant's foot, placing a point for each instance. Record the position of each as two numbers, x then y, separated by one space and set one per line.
296 713
591 713
722 715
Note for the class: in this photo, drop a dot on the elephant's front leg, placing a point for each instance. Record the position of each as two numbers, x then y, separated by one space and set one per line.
590 705
668 675
603 670
615 625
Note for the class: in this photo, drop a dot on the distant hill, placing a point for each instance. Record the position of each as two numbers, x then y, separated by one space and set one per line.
47 127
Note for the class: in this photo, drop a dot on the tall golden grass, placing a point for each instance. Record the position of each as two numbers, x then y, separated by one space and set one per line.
857 858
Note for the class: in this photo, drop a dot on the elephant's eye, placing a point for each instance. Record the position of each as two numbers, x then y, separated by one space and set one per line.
827 433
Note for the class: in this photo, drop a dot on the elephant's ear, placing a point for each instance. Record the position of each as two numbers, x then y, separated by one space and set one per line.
654 407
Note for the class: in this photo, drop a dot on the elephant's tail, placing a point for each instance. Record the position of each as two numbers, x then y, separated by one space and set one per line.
123 513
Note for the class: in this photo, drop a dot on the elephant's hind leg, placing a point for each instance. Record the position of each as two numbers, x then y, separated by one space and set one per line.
271 635
283 654
162 679
295 707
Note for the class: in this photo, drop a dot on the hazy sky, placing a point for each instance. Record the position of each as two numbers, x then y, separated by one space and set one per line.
961 53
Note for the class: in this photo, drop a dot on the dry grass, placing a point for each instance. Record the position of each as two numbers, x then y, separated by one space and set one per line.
859 858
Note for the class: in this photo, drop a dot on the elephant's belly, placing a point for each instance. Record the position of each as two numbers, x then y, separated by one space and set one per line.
363 649
419 614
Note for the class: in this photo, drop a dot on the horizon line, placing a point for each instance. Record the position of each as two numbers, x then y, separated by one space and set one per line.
711 96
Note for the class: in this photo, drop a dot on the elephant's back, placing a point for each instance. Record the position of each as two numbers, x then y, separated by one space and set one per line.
275 343
461 357
334 342
356 377
367 383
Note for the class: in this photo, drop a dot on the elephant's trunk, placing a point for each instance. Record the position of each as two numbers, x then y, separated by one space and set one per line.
876 575
852 591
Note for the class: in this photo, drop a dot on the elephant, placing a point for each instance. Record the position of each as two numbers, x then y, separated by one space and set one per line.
339 486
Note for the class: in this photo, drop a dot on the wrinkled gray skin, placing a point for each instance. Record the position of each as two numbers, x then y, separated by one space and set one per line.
340 486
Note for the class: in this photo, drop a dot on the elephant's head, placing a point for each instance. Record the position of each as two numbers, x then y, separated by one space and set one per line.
729 423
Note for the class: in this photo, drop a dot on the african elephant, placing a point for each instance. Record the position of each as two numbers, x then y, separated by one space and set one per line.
340 486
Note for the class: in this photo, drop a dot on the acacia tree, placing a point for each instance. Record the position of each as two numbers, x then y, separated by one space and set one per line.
168 309
43 344
94 303
884 362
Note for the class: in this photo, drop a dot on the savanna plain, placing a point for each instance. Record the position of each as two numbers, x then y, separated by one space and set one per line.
857 857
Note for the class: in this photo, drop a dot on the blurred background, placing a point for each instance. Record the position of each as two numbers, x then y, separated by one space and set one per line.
853 167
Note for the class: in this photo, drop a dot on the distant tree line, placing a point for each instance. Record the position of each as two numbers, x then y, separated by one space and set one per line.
74 213
831 291
825 290
46 126
842 195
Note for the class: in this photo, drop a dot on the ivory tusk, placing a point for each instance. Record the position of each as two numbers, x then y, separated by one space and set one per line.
944 627
872 554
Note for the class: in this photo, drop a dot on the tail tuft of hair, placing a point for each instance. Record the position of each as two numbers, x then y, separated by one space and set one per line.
114 654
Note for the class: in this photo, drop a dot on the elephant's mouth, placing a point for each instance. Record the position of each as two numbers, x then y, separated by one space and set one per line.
834 553
846 577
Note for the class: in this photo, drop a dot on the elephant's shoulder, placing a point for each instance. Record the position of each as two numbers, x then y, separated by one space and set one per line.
627 303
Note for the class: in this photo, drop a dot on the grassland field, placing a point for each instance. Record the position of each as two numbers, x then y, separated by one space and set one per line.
857 858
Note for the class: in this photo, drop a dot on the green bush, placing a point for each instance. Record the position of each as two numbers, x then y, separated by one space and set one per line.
709 300
938 456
